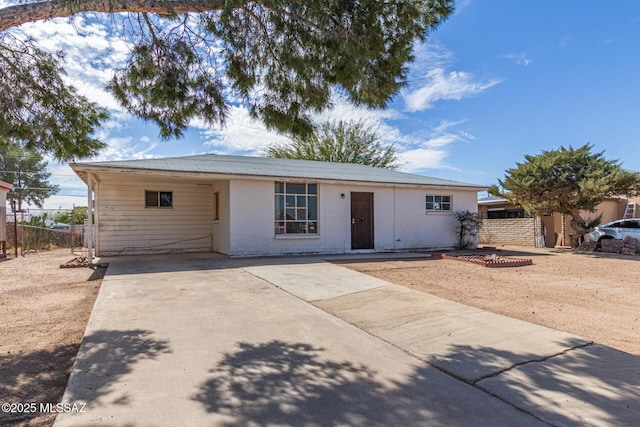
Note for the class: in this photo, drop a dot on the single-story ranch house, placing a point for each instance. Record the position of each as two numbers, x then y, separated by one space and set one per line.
251 206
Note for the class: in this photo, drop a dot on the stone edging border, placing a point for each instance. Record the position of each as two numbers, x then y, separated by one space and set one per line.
490 261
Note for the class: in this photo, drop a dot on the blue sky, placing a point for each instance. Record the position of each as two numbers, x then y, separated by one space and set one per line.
498 80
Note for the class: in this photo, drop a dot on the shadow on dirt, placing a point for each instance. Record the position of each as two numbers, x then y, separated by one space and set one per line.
32 377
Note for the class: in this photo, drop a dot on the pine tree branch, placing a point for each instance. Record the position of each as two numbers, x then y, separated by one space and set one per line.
12 16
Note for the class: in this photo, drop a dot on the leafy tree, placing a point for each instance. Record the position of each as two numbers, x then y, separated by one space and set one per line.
39 110
37 220
569 181
281 58
62 217
342 142
78 216
26 170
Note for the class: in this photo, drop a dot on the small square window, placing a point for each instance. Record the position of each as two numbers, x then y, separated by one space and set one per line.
438 203
151 199
155 199
166 199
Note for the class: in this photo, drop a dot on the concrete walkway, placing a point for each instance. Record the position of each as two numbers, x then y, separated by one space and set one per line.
199 340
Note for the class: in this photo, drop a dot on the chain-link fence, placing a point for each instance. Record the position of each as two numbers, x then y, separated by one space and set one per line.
21 233
32 238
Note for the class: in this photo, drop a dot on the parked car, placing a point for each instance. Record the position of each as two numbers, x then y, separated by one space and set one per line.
616 230
59 227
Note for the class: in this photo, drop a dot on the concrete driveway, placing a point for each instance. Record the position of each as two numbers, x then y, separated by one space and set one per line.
202 340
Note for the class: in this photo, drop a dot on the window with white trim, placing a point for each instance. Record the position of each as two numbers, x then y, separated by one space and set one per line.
439 203
296 208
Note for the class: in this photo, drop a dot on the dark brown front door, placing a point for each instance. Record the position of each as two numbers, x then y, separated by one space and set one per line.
362 221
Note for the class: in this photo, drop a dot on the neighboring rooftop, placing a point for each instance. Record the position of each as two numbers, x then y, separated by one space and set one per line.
216 164
492 200
5 186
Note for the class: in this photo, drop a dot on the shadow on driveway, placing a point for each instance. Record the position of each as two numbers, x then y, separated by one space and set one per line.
105 356
286 383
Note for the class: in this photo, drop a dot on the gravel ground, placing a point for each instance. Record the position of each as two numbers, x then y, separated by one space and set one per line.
44 311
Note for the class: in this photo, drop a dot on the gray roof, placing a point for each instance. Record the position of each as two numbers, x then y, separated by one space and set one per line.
492 200
216 164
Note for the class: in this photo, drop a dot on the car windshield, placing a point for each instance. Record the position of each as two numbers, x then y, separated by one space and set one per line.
623 224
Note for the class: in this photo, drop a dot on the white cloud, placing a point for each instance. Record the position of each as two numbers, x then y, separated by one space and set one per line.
426 149
519 58
242 134
125 148
342 109
432 79
431 151
420 159
92 52
63 176
441 85
64 202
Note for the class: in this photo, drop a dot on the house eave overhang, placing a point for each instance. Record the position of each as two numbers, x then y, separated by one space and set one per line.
82 170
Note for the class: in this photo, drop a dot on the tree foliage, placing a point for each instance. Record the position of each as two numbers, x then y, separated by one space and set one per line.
281 58
569 181
39 110
78 216
26 170
342 142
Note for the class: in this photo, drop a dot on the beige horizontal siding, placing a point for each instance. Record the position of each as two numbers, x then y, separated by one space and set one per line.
126 226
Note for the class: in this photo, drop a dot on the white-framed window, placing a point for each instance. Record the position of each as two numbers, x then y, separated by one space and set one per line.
439 203
296 208
158 199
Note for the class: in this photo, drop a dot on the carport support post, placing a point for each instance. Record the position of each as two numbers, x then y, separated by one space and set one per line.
90 217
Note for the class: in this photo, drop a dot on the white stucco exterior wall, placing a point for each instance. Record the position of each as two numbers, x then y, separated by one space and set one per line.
246 223
401 221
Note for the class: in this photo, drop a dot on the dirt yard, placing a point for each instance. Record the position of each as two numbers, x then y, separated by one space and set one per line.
43 312
44 309
593 295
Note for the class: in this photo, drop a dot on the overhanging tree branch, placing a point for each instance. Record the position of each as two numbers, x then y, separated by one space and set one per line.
12 16
281 59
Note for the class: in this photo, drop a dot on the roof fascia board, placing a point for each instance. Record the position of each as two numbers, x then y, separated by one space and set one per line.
82 170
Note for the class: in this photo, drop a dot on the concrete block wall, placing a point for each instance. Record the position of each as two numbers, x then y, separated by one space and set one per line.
508 231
